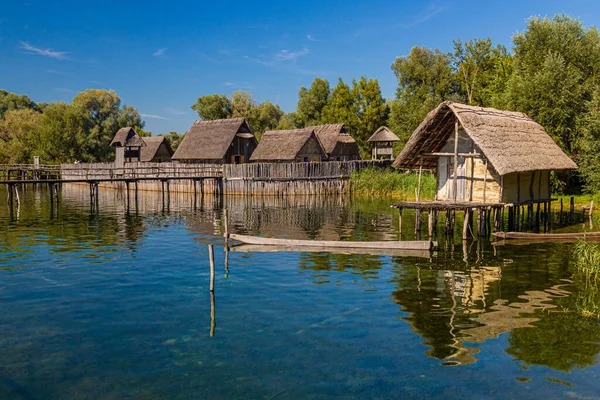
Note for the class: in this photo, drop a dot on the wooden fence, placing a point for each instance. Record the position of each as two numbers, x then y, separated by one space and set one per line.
139 171
28 172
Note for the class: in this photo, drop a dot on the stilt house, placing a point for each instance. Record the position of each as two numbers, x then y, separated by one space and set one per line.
221 141
382 141
297 145
337 142
157 149
484 155
128 145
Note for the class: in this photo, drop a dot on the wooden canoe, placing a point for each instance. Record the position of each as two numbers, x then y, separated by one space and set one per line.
546 236
398 245
258 248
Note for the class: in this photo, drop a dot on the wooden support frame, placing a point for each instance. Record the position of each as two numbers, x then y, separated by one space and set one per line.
455 179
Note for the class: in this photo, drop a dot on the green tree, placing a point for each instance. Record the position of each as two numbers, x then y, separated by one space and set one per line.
10 101
556 69
481 70
341 107
62 134
311 103
214 106
174 139
372 111
588 126
19 136
425 79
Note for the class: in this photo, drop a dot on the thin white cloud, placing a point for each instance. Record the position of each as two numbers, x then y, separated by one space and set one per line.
311 38
64 90
288 55
228 83
431 11
59 55
53 71
152 116
175 112
244 85
259 61
96 83
160 52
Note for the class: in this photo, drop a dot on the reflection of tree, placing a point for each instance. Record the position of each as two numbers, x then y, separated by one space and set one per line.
366 265
134 227
559 340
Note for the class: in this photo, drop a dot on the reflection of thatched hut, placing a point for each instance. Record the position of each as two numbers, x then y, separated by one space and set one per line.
502 156
128 145
298 145
337 142
382 141
223 141
157 149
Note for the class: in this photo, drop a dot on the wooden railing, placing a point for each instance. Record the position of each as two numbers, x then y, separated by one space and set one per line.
140 170
28 172
297 171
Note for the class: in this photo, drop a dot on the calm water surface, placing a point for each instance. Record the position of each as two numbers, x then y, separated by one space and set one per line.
115 305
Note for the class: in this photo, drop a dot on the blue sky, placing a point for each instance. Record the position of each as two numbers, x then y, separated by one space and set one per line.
161 56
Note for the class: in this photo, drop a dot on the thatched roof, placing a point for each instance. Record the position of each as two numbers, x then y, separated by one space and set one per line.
283 145
209 140
511 141
383 134
153 143
331 134
127 137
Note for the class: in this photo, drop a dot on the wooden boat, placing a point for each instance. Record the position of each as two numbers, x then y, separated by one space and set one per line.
546 236
385 245
259 248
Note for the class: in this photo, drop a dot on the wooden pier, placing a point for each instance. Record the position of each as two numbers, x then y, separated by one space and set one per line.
531 215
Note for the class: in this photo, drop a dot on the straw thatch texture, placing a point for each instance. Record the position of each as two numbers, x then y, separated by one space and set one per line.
127 137
330 134
210 140
153 145
285 145
511 141
384 134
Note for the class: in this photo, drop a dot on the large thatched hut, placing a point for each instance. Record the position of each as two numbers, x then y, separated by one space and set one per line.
502 156
382 141
297 145
157 149
221 141
128 145
337 142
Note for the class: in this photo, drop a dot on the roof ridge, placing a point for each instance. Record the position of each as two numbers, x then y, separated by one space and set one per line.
219 121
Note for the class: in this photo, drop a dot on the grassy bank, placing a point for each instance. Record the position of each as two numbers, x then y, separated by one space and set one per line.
392 183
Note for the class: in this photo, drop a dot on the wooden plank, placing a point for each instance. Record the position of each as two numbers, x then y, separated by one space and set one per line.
251 248
408 245
466 155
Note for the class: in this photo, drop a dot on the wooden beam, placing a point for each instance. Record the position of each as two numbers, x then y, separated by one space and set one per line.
466 155
420 175
455 181
485 179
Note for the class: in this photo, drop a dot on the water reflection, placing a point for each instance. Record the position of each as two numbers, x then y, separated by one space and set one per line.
140 274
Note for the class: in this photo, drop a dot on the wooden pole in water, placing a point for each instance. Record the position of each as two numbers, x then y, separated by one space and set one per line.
211 257
455 181
17 195
420 175
465 234
400 223
213 314
430 222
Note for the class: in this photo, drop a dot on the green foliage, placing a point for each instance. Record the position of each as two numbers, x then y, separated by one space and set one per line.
11 101
260 116
425 79
587 278
391 182
19 136
311 103
174 139
589 144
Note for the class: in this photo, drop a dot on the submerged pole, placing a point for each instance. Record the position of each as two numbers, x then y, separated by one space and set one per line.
211 257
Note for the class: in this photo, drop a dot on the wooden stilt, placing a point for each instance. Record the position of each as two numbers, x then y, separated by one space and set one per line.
560 215
537 218
455 181
572 210
211 257
420 175
430 222
465 234
213 314
400 224
590 214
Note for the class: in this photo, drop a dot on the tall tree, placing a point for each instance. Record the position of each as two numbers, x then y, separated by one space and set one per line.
372 111
19 136
480 67
341 107
556 69
311 103
425 78
11 101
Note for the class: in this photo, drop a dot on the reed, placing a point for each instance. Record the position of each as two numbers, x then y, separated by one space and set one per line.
587 278
390 182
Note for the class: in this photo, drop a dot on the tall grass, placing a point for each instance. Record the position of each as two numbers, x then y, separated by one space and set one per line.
587 278
391 182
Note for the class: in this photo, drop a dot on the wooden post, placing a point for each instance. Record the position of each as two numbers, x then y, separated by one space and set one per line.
16 188
418 221
572 211
455 181
485 179
211 257
399 223
591 214
448 221
213 314
537 218
465 234
518 187
420 175
560 216
430 222
225 226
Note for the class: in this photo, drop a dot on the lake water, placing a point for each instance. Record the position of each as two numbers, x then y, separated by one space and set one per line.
116 305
